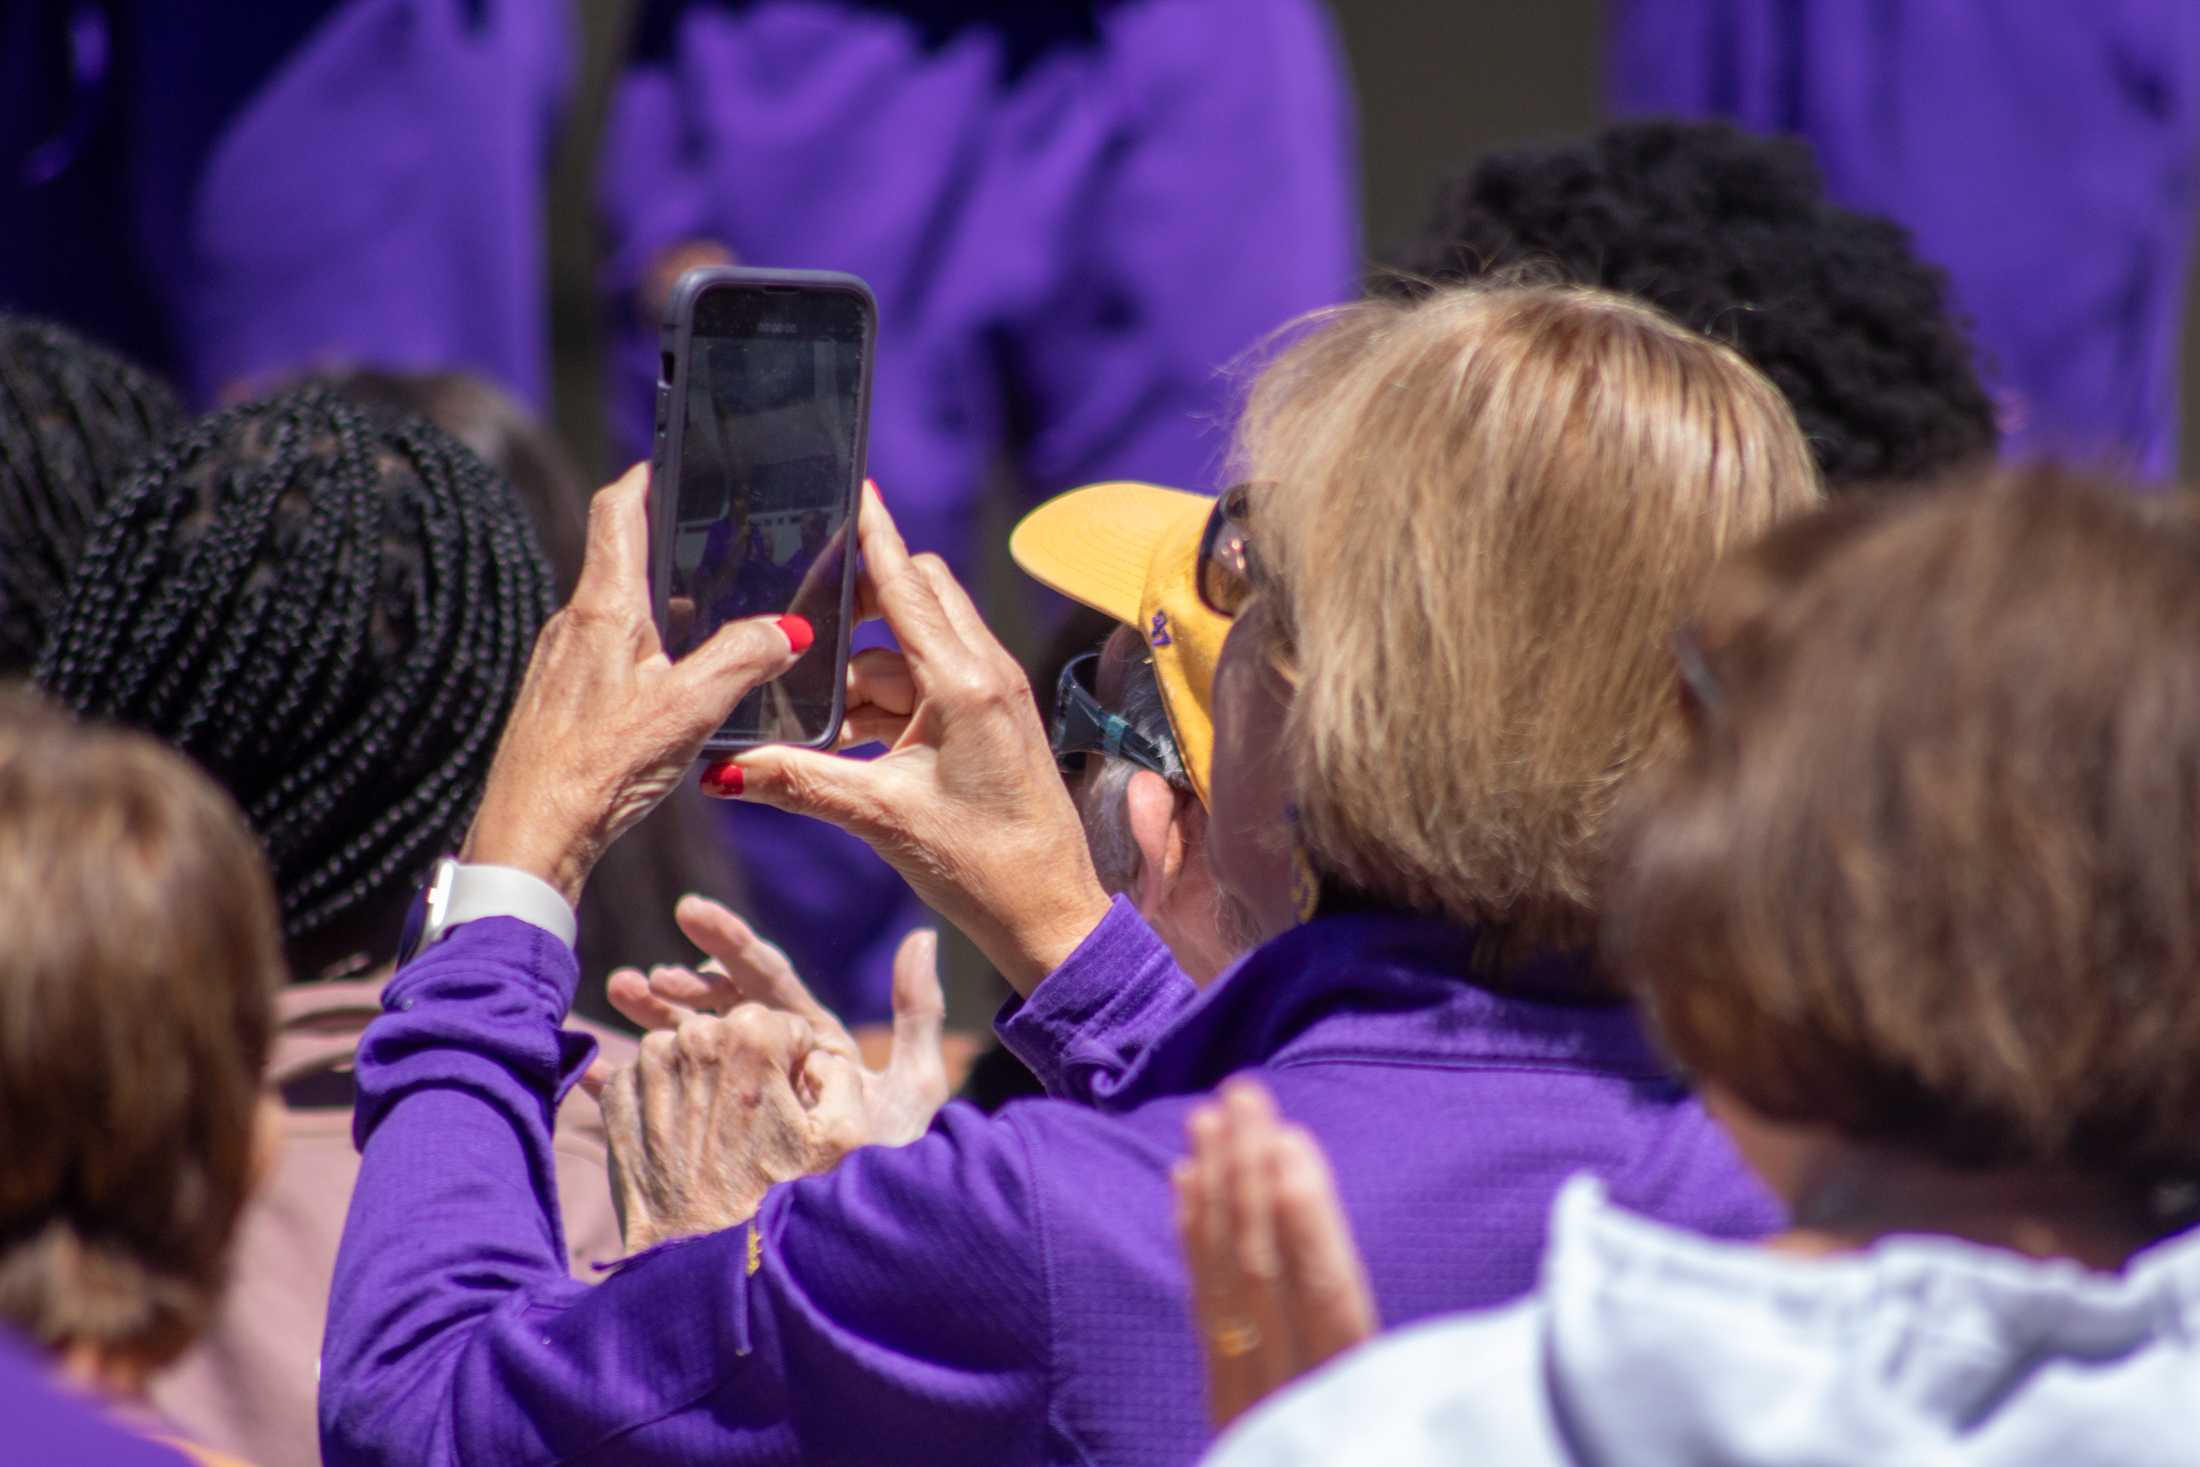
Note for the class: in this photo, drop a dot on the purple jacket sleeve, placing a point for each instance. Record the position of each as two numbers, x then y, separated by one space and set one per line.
908 1280
1089 1020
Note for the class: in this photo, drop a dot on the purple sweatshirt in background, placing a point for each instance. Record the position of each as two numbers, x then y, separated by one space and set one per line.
2048 156
1076 215
1005 1290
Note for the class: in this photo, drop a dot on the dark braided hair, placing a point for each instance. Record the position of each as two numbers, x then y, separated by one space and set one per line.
331 611
1732 234
74 420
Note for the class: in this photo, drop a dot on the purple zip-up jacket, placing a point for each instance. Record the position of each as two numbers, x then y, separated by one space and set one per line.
1001 1291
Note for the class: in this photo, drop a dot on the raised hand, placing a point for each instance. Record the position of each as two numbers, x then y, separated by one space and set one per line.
896 1103
714 1113
1278 1287
606 724
966 803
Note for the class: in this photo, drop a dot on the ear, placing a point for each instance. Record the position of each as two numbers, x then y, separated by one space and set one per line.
1150 808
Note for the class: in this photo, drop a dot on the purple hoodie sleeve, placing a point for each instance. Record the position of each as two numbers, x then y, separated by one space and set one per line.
908 1280
1089 1020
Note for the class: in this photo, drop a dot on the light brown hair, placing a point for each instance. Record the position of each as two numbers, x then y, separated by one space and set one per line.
1929 871
1489 509
136 1011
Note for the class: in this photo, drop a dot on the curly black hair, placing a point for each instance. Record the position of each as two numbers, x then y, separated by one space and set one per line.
330 610
1731 234
74 420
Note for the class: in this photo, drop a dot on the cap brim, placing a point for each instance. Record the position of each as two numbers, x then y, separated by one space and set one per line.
1095 544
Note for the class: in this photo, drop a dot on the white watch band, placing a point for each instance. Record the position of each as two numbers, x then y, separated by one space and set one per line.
476 892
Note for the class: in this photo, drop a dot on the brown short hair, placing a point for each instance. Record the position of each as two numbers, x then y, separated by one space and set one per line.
1929 872
136 1010
1491 507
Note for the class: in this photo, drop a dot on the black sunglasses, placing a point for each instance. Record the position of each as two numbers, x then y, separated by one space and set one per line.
1228 569
1082 726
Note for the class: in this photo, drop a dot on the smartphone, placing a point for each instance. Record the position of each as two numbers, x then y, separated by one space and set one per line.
763 410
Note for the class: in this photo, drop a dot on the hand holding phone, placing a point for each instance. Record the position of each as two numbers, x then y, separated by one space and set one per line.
762 418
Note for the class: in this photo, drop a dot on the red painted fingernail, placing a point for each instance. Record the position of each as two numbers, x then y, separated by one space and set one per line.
872 485
724 780
798 633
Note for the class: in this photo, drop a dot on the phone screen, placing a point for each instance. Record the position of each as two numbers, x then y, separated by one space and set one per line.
768 475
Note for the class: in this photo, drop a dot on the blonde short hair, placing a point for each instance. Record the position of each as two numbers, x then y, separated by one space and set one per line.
1490 508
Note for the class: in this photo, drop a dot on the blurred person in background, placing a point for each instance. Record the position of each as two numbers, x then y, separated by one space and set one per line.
329 610
627 914
1413 747
1989 130
139 983
238 194
1732 234
1916 910
75 421
1074 215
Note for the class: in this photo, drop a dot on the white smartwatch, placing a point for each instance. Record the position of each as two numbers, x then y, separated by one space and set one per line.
457 893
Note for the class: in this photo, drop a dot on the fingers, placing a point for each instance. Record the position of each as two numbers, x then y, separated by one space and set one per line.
1249 1214
961 613
832 1087
860 726
641 999
1228 1217
842 792
1221 1311
881 697
753 967
1325 1287
615 567
878 677
739 657
920 1013
596 1077
902 592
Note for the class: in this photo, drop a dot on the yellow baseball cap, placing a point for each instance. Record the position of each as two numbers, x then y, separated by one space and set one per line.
1131 551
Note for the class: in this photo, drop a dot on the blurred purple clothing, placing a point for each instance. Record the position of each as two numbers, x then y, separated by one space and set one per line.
2044 154
1005 1290
1075 215
238 193
45 1425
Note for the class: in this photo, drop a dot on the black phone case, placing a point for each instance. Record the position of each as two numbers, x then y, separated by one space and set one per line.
671 422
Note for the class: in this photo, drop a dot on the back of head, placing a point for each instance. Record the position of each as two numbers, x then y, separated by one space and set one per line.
136 1012
1489 508
74 421
1929 874
1731 234
329 611
500 431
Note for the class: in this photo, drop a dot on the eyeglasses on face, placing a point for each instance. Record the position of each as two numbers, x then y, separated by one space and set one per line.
1082 726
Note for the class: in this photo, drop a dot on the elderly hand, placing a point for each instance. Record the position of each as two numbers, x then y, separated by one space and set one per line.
1277 1285
606 724
715 1112
896 1103
966 803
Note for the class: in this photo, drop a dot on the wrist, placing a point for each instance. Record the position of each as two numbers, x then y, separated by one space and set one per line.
563 862
1043 942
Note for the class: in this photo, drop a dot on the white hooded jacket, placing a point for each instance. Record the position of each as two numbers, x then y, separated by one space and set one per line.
1645 1347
